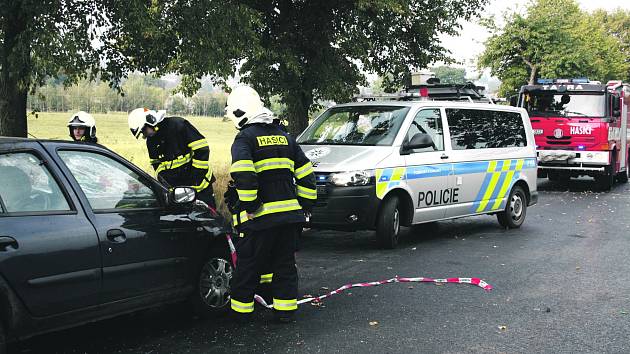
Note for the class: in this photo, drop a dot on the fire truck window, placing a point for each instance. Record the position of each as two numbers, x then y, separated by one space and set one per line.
428 121
485 129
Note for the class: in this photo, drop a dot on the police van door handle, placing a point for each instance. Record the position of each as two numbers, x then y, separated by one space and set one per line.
444 156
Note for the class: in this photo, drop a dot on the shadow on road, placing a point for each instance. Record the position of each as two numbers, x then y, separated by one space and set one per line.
579 185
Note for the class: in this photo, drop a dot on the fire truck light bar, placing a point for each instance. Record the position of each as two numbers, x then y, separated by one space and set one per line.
579 80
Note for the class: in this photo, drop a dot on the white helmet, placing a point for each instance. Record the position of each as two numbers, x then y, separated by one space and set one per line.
140 117
85 120
243 104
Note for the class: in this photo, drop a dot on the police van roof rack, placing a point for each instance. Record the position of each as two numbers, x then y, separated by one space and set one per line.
432 92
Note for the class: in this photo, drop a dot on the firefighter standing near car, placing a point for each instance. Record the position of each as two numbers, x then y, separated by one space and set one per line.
177 151
82 127
275 185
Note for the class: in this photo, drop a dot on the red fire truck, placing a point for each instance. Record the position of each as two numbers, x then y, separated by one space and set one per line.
580 127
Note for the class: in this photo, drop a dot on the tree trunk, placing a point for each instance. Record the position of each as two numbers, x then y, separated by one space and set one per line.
298 105
14 71
12 109
533 74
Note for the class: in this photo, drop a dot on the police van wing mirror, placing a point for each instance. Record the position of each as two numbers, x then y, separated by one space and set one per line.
182 195
418 141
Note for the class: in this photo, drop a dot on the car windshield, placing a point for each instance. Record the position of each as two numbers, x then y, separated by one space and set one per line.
356 125
567 105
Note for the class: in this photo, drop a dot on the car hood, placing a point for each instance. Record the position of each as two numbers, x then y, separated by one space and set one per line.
337 158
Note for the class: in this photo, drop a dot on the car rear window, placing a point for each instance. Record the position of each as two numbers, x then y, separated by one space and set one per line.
485 129
26 185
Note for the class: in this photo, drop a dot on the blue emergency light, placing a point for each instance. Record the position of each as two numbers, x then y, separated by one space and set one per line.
578 80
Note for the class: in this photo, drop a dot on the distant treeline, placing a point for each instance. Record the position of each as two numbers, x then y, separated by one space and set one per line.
137 91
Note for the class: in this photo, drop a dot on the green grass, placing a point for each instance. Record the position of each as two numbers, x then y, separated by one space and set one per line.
113 132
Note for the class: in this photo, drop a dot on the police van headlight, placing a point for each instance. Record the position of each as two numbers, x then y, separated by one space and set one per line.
352 178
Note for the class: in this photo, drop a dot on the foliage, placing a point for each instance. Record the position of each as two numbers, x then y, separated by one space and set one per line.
449 74
554 38
139 91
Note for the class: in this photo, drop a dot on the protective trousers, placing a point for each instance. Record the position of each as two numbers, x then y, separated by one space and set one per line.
258 252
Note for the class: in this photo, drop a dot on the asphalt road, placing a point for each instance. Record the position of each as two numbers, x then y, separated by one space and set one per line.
560 285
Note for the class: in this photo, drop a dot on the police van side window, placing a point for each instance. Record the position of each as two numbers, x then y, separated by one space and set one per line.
428 121
484 129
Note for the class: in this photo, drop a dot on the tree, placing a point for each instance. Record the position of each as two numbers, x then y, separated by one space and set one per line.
107 40
449 74
40 39
617 25
554 38
309 51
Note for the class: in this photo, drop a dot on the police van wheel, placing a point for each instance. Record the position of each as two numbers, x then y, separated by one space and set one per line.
388 223
212 291
515 210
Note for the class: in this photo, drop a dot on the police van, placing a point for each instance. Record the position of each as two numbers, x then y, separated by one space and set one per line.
381 165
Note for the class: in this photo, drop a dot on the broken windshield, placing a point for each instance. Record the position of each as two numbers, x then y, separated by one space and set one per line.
356 125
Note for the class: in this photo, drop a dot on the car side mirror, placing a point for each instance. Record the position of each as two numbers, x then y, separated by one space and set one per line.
418 141
182 195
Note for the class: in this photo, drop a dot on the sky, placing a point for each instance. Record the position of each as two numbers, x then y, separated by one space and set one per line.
469 44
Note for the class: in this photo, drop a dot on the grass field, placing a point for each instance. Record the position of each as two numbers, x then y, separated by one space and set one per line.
113 132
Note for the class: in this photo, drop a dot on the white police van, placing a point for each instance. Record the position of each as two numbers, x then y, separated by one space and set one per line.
380 165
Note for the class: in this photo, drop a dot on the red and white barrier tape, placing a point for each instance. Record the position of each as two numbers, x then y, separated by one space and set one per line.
473 281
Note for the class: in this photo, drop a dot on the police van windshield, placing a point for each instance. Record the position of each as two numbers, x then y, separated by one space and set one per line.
567 105
356 125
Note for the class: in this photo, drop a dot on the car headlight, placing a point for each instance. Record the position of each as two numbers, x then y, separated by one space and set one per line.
352 178
537 131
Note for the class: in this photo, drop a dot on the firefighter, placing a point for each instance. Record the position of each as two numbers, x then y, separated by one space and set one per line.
178 153
82 127
275 185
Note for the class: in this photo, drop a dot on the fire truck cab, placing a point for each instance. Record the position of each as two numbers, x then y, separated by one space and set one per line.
580 128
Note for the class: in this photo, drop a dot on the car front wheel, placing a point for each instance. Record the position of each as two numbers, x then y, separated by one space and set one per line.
515 210
388 223
212 293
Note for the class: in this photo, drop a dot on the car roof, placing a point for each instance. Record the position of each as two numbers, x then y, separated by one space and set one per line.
15 140
445 104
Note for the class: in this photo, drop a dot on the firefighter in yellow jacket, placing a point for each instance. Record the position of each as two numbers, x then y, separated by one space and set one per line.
177 151
276 186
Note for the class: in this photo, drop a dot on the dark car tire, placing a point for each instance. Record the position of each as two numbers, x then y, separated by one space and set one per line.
513 216
388 223
212 289
606 181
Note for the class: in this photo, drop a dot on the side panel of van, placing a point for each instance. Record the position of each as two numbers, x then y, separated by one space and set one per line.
491 150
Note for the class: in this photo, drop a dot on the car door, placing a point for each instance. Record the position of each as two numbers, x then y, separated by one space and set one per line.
487 147
428 168
143 243
49 251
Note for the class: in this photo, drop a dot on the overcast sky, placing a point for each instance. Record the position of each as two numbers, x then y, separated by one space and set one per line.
469 44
